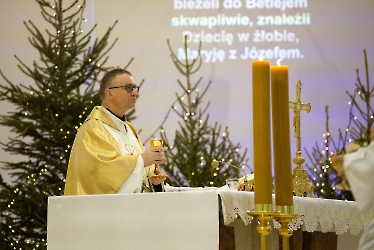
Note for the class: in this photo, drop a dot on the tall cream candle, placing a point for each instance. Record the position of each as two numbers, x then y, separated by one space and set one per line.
281 137
261 134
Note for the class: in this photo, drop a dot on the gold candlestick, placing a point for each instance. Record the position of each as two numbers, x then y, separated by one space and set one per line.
285 231
300 180
263 228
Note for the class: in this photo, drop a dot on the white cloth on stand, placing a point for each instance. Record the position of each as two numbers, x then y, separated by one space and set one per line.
359 169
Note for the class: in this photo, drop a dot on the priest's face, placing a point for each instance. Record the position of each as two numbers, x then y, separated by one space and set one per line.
124 92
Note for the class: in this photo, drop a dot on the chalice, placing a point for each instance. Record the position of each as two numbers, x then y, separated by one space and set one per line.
153 144
156 143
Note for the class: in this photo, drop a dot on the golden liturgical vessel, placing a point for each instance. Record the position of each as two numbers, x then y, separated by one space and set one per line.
153 144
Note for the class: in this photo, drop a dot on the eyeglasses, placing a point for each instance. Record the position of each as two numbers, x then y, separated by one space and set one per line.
129 88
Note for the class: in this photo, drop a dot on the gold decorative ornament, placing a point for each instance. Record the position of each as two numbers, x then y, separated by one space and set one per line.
300 179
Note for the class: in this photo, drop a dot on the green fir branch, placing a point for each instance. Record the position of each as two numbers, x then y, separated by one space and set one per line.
50 107
324 176
196 143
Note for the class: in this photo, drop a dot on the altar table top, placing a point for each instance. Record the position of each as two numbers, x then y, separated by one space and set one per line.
134 221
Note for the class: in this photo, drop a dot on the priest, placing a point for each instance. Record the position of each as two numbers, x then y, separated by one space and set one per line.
108 156
358 167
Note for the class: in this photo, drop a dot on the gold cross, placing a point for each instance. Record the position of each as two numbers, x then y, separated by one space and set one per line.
300 180
297 107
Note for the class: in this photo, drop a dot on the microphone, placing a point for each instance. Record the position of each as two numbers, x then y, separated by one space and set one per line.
215 164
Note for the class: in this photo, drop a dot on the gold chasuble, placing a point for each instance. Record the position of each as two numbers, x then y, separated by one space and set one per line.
96 165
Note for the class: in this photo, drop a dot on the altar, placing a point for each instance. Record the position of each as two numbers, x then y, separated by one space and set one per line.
188 218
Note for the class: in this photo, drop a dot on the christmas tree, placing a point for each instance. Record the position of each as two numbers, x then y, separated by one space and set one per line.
49 110
196 143
357 134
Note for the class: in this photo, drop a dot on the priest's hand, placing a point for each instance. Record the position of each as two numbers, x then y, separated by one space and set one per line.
157 180
153 156
337 162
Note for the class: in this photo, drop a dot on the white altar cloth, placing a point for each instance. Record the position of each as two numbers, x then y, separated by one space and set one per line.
316 214
325 215
172 221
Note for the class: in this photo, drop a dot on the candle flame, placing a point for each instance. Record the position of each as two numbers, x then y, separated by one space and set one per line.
261 58
279 61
